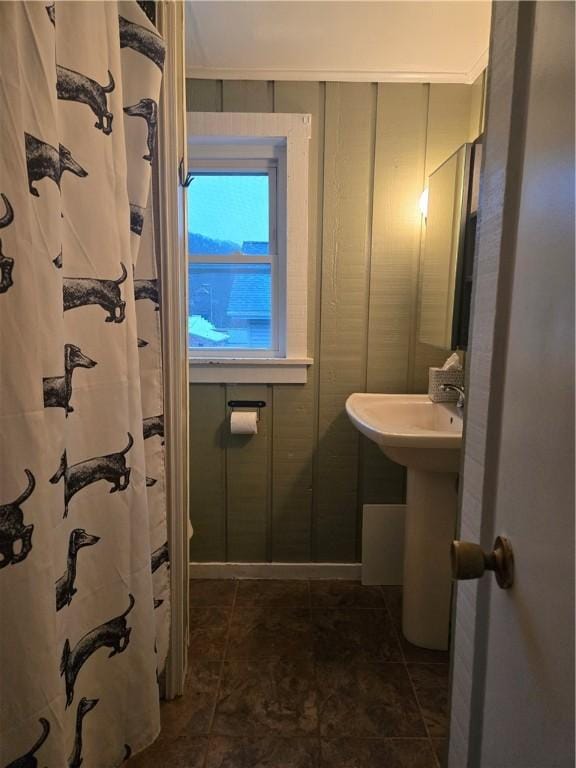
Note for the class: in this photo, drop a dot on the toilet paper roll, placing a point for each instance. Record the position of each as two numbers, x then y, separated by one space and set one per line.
244 423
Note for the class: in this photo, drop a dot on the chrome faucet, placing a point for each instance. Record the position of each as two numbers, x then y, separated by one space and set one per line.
454 388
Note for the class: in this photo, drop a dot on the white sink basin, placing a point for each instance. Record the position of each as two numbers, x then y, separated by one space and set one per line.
410 429
425 437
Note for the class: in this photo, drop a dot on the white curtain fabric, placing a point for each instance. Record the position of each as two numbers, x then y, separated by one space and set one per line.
84 590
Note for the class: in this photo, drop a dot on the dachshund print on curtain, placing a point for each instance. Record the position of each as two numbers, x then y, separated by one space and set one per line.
13 530
147 109
6 263
29 760
84 706
111 467
84 567
114 634
74 86
82 291
45 161
58 389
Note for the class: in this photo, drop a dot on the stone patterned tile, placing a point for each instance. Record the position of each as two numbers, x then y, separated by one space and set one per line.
345 594
393 599
187 751
270 751
366 635
257 632
431 684
212 591
192 713
208 631
412 653
441 751
377 753
415 655
206 616
366 700
273 593
259 697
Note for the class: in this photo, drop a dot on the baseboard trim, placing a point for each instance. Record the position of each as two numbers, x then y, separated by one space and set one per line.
344 571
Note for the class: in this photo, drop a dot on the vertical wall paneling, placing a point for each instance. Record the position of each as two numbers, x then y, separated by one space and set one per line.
477 107
293 492
398 182
348 161
207 415
203 95
247 96
207 472
295 406
249 471
448 128
247 482
448 122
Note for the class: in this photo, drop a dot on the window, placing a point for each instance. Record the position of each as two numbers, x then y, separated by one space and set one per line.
247 247
233 257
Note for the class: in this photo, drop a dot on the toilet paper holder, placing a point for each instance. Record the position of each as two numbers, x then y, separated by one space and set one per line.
258 404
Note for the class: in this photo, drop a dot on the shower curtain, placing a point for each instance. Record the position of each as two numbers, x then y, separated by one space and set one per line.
84 590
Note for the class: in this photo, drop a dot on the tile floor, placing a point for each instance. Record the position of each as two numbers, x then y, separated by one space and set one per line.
290 674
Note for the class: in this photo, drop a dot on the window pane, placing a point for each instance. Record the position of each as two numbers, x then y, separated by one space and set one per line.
228 213
230 306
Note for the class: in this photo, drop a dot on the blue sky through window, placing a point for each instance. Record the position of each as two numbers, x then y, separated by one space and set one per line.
231 208
230 303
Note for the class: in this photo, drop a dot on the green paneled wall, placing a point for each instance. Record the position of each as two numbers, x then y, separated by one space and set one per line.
295 492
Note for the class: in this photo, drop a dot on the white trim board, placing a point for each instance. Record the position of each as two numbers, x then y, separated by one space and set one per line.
341 76
225 370
288 571
383 543
292 133
171 239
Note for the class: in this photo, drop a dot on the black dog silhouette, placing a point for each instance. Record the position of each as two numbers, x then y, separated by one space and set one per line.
58 389
159 557
12 528
142 41
153 425
6 263
114 634
29 760
8 216
6 267
111 468
82 291
44 160
147 289
84 706
65 589
147 109
136 219
74 86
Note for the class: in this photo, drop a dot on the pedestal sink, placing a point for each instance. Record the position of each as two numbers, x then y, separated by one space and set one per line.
426 438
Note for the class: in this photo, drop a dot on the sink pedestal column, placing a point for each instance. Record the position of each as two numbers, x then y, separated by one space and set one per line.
431 508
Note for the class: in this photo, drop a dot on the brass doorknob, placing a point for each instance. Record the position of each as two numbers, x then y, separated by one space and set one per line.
469 561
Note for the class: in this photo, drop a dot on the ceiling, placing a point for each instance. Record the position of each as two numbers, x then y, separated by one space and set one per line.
407 41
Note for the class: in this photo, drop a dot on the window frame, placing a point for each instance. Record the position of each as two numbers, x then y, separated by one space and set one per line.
256 165
236 136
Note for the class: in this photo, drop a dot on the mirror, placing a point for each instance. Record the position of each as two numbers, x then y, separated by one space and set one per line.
446 282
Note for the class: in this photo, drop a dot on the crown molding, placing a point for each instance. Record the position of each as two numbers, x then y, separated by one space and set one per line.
315 75
478 67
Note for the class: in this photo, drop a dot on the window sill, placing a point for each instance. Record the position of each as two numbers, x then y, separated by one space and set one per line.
243 370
